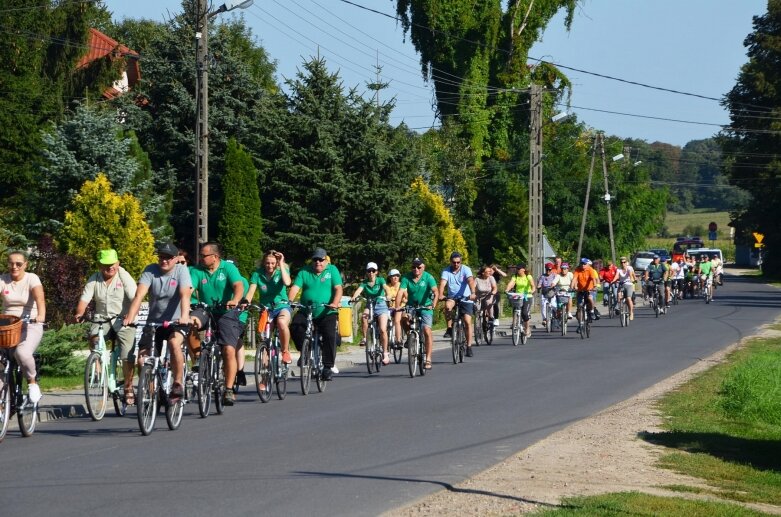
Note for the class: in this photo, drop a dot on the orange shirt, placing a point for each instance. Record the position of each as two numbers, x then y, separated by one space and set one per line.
583 278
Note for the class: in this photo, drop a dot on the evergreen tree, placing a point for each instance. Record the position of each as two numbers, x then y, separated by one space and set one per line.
240 222
99 218
443 238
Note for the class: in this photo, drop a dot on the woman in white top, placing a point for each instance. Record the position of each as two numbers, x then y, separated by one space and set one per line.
22 296
626 282
486 289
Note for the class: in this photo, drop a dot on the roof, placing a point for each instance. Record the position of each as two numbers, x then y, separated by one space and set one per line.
101 46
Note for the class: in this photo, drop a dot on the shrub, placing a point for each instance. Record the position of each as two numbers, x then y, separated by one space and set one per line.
55 352
62 276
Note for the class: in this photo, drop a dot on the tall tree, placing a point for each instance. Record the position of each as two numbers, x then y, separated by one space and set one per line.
753 140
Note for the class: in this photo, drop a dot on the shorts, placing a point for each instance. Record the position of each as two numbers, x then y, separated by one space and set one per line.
582 296
160 334
426 319
380 309
230 329
276 312
466 306
125 337
629 290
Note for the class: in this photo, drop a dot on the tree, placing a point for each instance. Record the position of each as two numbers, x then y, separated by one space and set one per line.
753 140
437 224
100 219
63 276
241 222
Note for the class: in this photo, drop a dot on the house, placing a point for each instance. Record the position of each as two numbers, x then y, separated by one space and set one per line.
100 47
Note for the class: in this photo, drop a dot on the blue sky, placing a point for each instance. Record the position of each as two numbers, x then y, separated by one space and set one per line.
693 46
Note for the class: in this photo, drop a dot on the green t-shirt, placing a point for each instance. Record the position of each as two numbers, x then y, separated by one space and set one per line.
523 284
272 290
705 268
318 288
376 291
656 272
216 288
193 296
420 292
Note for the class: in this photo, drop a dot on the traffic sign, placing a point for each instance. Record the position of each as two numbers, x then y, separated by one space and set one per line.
759 245
712 227
759 237
712 235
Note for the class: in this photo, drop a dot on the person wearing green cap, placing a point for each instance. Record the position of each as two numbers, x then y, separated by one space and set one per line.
112 289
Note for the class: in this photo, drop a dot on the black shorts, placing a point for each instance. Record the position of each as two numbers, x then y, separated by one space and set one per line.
466 306
150 335
230 329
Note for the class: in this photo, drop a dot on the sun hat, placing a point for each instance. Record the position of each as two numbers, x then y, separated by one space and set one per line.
108 257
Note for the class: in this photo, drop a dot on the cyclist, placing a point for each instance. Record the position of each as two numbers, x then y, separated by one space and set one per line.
625 280
273 278
706 273
219 285
319 283
547 284
498 275
655 276
677 274
564 285
23 297
394 283
113 289
460 282
168 284
607 274
718 271
485 291
667 282
420 289
375 288
523 283
584 282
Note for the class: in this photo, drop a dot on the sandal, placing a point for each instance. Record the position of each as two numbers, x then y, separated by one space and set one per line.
130 398
385 358
427 366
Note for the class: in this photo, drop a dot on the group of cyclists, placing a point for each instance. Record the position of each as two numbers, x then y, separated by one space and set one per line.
189 294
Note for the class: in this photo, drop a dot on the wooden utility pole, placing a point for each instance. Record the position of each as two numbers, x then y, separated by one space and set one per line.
536 251
607 200
597 139
202 128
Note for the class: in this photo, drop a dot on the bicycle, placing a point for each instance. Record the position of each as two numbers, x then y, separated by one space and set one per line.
416 355
458 332
549 314
584 319
155 382
373 347
311 351
656 299
269 367
707 289
210 380
101 377
623 308
12 397
675 292
562 315
483 324
396 346
517 327
612 303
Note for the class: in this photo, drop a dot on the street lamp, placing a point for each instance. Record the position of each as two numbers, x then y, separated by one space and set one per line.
608 198
202 115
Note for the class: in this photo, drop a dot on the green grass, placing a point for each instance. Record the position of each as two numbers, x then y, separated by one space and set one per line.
723 426
677 222
637 504
49 383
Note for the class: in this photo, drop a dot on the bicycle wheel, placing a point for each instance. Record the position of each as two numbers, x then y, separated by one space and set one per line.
622 313
461 341
369 348
421 358
549 318
28 418
218 382
5 408
582 321
204 382
516 328
588 328
477 327
412 353
173 414
306 366
118 395
263 371
95 387
524 337
454 343
398 351
147 400
488 331
281 373
319 380
564 319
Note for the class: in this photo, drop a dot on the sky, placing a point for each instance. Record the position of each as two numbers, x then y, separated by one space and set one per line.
692 46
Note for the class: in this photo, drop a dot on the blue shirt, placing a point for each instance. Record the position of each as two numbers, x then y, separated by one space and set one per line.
457 283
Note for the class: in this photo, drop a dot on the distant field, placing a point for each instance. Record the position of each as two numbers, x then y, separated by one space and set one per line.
677 222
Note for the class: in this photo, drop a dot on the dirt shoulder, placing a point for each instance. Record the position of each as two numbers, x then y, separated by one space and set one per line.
599 454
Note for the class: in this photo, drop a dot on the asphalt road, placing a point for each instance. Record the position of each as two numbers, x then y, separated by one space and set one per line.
368 444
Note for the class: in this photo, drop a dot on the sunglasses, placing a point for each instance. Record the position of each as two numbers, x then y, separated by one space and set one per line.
16 264
371 270
207 255
165 258
318 260
455 262
418 267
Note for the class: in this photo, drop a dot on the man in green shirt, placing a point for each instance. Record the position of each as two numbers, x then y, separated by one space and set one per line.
320 284
218 284
421 290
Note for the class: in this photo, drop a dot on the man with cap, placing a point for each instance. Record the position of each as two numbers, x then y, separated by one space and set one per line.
656 277
169 286
113 289
376 289
320 284
584 280
219 284
420 289
460 283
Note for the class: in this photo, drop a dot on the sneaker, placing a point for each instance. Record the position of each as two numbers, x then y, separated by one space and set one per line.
544 323
299 362
177 392
631 316
448 333
286 358
229 397
34 392
496 323
261 386
328 374
334 370
241 378
362 343
570 316
469 352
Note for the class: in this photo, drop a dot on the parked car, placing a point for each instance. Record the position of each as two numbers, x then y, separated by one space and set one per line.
663 253
641 259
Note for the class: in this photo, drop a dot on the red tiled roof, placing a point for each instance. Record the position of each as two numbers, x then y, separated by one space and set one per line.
101 46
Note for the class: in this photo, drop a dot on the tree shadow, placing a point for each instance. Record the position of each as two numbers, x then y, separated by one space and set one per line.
760 454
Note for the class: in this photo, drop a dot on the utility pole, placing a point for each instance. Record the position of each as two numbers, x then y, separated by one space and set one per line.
202 127
536 251
607 200
597 139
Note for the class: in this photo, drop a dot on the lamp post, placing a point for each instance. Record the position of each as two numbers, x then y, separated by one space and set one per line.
202 115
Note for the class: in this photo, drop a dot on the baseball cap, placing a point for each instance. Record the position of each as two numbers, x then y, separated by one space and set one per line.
167 249
656 257
371 265
584 260
549 265
394 272
417 261
319 253
108 257
565 265
664 259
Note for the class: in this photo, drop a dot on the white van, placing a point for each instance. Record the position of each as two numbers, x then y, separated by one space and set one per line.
700 252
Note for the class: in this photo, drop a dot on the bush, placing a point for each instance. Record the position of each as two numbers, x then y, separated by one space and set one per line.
695 229
752 390
62 276
55 353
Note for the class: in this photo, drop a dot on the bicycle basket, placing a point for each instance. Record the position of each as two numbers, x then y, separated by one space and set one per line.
562 298
517 302
548 292
10 331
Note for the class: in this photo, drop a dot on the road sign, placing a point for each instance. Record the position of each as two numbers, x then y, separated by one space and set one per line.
712 235
759 245
759 237
712 227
